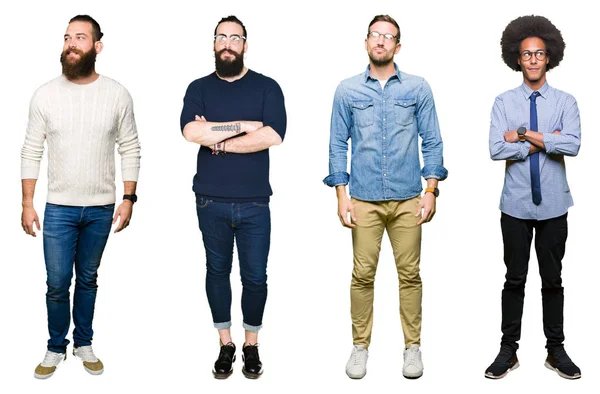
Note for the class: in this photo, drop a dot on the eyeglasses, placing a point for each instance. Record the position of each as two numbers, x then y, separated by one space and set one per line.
375 36
235 39
539 55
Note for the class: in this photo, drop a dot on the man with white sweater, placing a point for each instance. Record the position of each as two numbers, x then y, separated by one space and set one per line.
81 115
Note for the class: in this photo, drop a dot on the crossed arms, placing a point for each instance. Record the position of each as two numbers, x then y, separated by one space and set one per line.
218 136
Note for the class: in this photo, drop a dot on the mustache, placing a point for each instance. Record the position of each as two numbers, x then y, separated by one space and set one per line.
73 50
228 51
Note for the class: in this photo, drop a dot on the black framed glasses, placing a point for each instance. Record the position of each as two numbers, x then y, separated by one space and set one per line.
539 55
235 39
389 37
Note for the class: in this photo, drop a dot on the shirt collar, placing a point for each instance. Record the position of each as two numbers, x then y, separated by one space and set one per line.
367 73
526 90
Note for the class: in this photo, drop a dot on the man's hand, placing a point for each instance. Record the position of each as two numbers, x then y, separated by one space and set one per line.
426 208
28 217
345 207
511 136
123 213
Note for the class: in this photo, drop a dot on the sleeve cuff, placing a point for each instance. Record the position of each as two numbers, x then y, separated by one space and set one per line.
434 171
30 172
337 178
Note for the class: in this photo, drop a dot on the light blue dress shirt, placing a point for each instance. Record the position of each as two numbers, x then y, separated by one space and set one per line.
384 126
556 111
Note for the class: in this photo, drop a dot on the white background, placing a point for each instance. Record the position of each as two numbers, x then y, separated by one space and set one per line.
153 328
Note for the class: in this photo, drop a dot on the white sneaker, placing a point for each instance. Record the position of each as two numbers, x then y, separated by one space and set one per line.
91 363
413 365
49 365
356 367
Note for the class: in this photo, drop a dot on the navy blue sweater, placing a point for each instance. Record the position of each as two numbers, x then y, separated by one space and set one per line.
234 177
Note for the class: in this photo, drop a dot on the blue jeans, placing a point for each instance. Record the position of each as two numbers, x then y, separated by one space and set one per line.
73 236
250 225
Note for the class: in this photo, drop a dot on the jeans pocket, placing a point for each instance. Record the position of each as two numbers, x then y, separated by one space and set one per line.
202 202
261 204
405 111
108 206
363 112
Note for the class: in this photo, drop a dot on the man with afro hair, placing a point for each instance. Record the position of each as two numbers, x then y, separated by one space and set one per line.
533 127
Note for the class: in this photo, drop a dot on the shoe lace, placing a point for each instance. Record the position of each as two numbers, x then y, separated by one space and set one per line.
411 356
86 354
251 352
51 357
358 356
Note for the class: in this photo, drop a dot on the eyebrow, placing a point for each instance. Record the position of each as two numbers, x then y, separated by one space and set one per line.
76 34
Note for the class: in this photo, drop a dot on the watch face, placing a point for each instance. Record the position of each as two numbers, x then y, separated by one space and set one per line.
521 130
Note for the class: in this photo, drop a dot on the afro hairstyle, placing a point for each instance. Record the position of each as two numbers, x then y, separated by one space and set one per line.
531 26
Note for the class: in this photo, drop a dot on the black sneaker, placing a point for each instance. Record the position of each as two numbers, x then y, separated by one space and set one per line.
252 365
505 362
224 364
559 361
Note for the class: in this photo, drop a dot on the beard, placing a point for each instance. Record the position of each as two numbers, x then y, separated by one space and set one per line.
381 62
229 68
81 68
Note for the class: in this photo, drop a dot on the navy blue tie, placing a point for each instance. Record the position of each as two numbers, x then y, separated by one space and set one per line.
534 158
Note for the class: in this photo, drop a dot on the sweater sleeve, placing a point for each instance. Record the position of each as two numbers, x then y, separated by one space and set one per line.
127 139
33 147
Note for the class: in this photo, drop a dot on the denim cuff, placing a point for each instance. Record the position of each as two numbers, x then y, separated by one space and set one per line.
250 328
434 171
223 326
336 179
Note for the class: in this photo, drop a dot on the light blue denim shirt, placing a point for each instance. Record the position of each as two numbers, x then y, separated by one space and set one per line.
556 110
384 125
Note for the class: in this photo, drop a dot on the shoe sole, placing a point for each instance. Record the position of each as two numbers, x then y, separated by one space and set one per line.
35 375
92 372
504 374
561 374
222 376
413 377
356 376
252 375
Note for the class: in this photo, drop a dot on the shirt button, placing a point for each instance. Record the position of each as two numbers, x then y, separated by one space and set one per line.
383 137
384 119
384 156
384 174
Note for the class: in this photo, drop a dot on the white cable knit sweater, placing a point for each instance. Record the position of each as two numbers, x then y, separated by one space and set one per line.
81 124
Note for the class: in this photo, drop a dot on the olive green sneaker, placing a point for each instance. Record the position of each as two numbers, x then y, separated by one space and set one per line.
47 367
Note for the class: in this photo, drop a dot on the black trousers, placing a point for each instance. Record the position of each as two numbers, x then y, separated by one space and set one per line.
550 239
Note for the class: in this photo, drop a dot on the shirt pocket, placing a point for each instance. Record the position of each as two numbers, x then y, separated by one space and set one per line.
363 112
405 111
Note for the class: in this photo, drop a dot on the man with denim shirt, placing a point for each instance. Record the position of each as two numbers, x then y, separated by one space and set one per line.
533 127
383 111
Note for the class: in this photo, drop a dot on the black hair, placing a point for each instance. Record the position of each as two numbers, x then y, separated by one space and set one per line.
96 32
531 26
234 19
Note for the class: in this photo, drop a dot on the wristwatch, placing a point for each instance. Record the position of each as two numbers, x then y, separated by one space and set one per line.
130 197
521 133
434 190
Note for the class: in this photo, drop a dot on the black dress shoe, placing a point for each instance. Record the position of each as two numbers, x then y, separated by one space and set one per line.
224 364
505 362
252 365
559 361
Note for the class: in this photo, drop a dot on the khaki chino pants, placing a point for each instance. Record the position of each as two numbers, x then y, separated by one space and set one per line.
398 219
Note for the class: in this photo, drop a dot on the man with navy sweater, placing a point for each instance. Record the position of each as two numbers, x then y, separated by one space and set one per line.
235 115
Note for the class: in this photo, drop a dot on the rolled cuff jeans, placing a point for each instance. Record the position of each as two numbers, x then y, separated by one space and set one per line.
73 236
249 223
